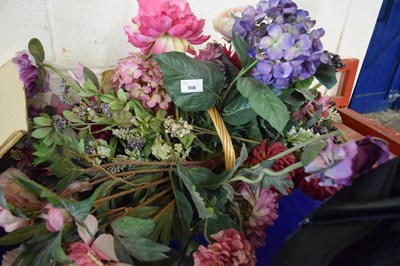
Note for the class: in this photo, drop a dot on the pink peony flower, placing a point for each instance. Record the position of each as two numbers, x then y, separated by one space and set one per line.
142 79
10 222
223 23
230 248
9 257
15 194
82 255
101 249
263 213
55 218
164 26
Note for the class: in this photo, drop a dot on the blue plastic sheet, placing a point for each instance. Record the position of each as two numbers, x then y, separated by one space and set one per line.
292 210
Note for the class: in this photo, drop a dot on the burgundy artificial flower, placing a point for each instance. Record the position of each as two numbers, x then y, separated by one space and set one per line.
312 187
231 248
104 135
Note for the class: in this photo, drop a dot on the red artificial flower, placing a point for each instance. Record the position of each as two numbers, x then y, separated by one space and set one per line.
263 152
231 54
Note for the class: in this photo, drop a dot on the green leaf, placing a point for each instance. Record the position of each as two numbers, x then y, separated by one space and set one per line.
238 112
280 183
303 84
35 48
89 86
139 110
186 176
40 133
326 75
242 49
3 201
311 152
88 74
71 116
22 235
78 146
264 102
121 96
220 222
314 119
52 251
123 118
107 98
187 140
163 228
185 213
177 66
42 121
131 233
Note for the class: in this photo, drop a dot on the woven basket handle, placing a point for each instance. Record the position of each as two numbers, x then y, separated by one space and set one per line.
229 152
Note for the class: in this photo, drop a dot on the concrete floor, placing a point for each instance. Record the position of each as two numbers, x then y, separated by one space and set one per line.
389 118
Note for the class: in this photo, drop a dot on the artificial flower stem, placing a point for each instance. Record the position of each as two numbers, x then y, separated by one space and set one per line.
304 144
266 172
157 196
228 90
166 209
67 80
210 132
126 192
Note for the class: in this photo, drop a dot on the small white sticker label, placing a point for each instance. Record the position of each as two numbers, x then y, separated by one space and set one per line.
191 85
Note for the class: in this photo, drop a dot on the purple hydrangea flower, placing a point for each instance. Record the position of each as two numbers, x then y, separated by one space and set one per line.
28 74
280 36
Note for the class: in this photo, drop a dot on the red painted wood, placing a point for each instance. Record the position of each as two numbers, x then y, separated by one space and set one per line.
366 126
350 71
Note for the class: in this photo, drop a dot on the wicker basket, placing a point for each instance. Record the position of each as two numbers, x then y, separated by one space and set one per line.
229 152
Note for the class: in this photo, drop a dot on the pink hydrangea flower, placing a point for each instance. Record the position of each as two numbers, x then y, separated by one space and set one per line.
15 194
230 248
164 26
142 79
263 213
10 222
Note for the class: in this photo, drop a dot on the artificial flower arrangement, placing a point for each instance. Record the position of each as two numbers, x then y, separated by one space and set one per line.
176 156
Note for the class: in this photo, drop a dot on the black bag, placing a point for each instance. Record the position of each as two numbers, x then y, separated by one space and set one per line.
360 225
